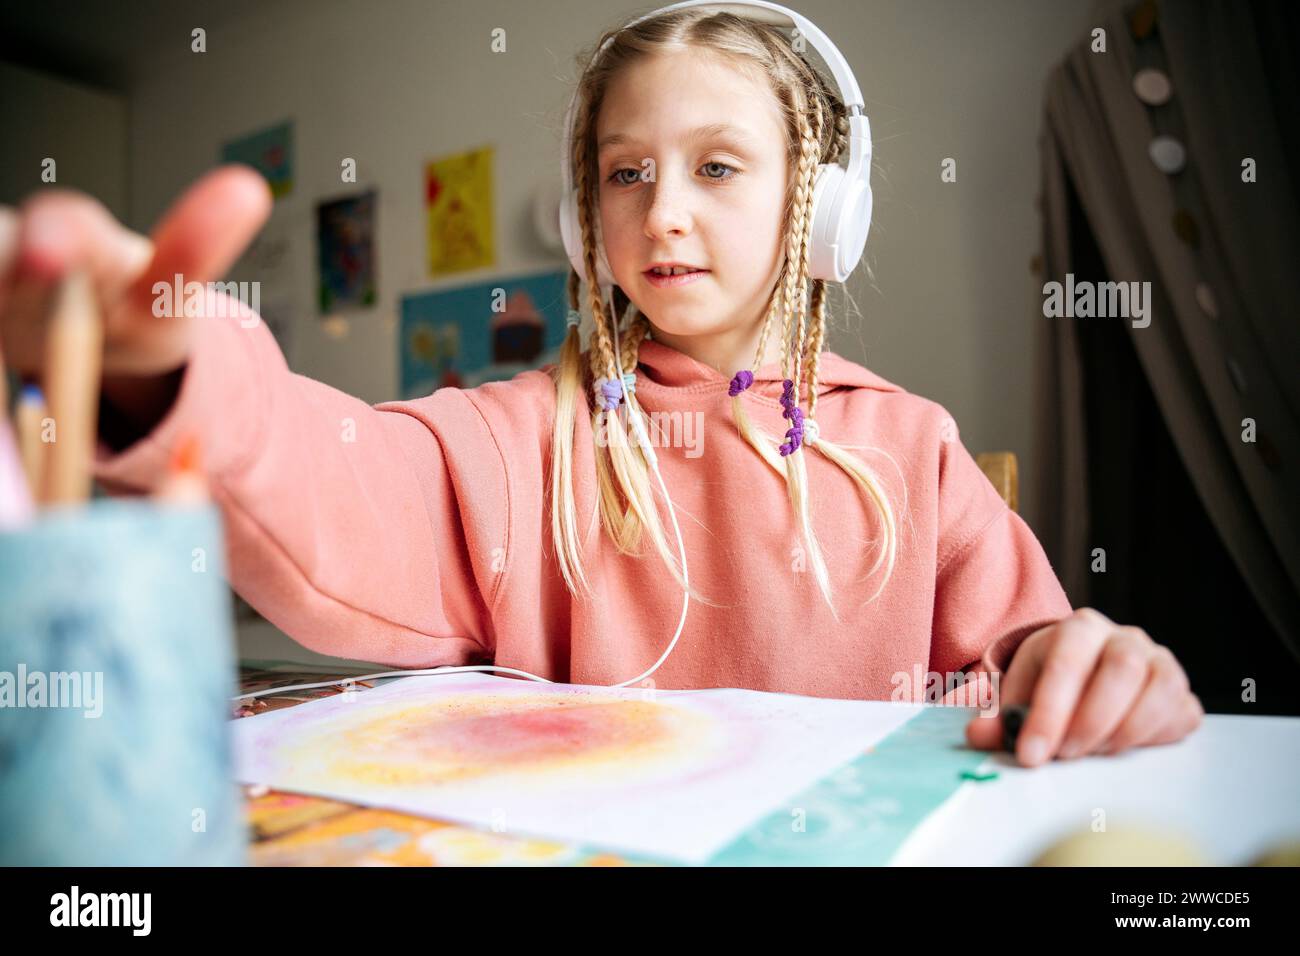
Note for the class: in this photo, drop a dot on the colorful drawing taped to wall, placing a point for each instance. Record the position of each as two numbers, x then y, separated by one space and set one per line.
346 245
458 204
270 152
486 332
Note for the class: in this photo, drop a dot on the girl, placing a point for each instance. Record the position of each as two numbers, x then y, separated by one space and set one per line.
841 540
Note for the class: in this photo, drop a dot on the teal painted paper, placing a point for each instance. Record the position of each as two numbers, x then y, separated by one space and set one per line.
861 814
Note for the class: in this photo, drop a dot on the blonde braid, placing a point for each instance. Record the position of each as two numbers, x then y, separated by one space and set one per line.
813 145
800 204
573 289
630 340
797 281
812 359
604 352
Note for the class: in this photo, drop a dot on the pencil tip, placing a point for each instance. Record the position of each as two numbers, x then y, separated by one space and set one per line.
187 456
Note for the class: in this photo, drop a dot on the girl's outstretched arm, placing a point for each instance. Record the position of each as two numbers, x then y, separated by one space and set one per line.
363 532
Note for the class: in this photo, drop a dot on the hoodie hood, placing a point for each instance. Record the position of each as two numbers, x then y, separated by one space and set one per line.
670 368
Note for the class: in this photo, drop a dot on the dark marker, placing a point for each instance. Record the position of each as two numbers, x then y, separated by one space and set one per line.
1013 718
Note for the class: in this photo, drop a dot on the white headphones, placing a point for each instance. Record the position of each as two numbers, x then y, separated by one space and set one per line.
841 197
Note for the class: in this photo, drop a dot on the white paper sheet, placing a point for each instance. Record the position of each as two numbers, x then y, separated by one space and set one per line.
671 774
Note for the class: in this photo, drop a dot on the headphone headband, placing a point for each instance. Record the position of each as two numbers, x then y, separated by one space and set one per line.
841 197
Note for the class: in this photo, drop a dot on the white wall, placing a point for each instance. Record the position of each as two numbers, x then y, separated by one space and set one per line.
394 83
391 84
83 130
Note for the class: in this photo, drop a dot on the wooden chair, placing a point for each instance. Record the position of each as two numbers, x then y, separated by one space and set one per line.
1000 469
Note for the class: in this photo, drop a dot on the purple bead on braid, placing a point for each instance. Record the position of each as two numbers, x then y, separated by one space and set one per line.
610 393
787 398
740 381
795 414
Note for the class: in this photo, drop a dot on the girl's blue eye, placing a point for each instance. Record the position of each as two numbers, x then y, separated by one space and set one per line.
613 177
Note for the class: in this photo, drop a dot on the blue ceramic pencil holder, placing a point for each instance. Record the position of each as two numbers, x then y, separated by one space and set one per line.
116 672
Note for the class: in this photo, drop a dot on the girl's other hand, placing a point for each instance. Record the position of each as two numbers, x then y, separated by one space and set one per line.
1093 687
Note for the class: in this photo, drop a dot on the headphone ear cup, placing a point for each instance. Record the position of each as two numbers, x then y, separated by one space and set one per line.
571 233
604 275
823 243
841 219
569 230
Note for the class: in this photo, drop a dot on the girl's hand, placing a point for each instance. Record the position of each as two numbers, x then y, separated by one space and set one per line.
1093 687
55 231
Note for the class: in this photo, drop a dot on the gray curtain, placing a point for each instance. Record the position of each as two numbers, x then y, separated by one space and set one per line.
1223 343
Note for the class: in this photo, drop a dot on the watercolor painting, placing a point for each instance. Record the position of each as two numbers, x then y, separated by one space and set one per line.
670 775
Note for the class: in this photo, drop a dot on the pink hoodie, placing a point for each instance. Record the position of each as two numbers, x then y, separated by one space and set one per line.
417 533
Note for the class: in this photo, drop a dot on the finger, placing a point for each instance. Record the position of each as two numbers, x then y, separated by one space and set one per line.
62 230
136 257
1111 693
987 730
1176 721
1161 701
1062 675
1184 721
984 731
58 231
205 231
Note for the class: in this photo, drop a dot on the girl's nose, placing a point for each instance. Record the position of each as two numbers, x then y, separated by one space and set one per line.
667 213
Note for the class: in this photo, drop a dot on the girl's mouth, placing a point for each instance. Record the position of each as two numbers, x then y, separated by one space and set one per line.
670 281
